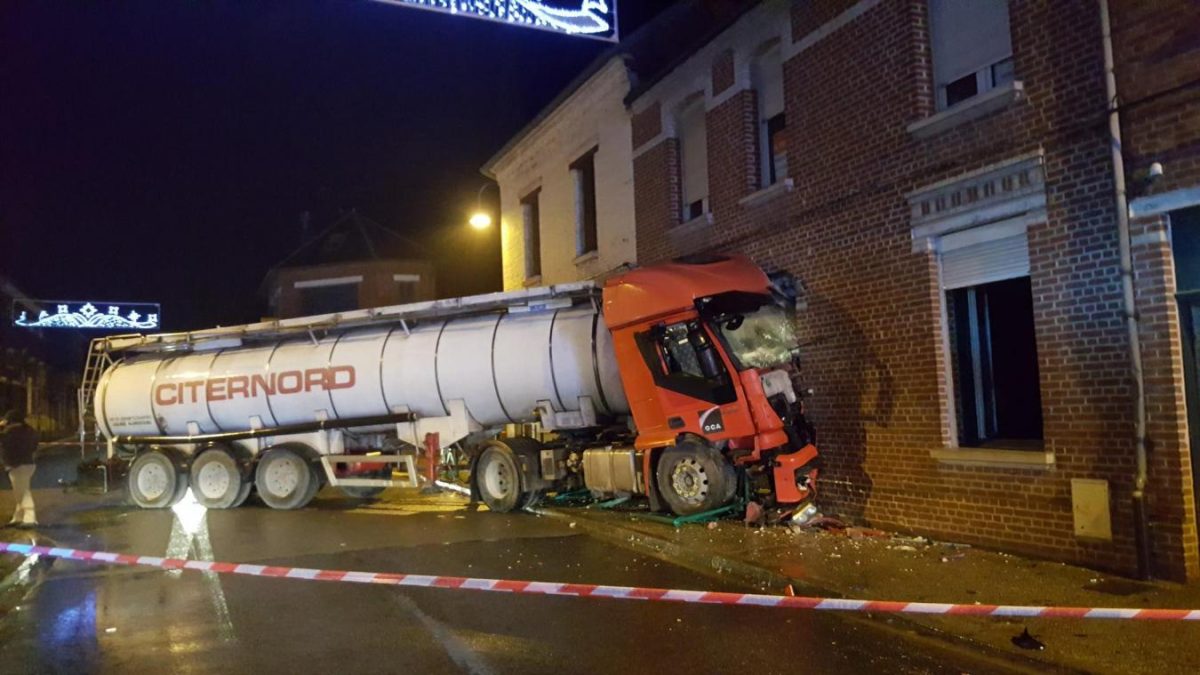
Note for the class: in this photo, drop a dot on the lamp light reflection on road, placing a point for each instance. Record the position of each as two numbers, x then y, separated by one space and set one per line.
189 535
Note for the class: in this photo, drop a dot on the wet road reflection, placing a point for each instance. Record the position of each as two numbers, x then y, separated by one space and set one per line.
190 540
86 618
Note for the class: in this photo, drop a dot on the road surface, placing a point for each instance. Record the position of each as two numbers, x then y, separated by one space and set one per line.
73 617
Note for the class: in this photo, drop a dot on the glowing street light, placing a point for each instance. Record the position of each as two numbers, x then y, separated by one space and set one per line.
480 220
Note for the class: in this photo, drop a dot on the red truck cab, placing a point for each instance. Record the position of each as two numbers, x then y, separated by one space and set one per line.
706 352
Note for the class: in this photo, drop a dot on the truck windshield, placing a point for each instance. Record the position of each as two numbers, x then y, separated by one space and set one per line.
760 338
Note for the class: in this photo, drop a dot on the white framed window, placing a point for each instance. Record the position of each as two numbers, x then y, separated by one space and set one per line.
989 322
583 173
767 77
693 159
531 223
972 48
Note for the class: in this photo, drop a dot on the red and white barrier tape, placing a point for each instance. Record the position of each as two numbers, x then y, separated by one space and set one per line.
615 592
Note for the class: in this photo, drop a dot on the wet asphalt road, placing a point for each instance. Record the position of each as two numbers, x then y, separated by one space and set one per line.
83 618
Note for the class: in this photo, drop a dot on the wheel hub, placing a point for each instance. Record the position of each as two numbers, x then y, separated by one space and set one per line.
689 481
497 480
152 481
214 480
283 477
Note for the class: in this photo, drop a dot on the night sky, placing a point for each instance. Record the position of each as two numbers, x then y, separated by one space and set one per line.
163 151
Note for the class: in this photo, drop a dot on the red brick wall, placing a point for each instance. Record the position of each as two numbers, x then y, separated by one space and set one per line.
732 134
656 197
722 72
872 320
646 125
1157 53
378 288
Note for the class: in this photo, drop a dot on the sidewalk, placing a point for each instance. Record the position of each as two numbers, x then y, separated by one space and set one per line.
871 565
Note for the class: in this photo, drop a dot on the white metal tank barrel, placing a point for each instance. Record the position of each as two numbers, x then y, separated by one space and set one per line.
499 365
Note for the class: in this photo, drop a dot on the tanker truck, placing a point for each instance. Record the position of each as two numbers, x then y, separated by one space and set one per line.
670 382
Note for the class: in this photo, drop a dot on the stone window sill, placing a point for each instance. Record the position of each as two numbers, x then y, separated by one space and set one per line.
535 280
702 220
972 109
997 458
768 193
586 257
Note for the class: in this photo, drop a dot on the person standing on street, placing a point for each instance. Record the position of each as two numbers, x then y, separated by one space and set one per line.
18 442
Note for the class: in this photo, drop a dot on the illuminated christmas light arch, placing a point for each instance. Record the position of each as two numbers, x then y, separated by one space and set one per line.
584 18
86 315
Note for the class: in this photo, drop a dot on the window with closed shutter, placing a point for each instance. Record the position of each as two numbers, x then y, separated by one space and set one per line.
767 77
972 47
984 262
693 159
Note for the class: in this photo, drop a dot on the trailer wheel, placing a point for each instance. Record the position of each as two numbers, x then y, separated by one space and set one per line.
498 479
285 479
244 493
360 492
693 477
218 480
155 481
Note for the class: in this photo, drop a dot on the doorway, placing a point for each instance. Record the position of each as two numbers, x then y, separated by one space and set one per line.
1185 246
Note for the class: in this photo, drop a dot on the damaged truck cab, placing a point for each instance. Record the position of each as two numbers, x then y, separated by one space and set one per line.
706 351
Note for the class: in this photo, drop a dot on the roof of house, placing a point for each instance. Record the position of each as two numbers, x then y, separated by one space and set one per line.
352 237
649 53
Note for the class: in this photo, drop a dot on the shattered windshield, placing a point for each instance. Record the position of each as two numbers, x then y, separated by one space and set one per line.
762 338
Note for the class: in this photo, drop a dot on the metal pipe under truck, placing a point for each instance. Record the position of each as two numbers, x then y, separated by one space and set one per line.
672 383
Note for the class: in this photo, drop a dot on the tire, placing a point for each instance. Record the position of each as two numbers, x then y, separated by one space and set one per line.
693 477
155 481
244 493
217 479
358 492
285 480
498 479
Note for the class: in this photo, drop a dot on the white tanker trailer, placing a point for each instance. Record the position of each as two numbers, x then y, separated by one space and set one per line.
285 406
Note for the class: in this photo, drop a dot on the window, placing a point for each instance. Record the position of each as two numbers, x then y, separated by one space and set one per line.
693 160
406 287
584 172
533 233
683 359
768 84
993 350
328 299
972 48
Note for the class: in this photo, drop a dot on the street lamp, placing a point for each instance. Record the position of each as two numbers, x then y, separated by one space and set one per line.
481 220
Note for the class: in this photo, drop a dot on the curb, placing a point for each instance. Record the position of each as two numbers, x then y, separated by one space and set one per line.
740 571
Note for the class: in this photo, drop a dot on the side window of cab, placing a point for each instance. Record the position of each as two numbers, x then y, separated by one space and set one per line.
682 358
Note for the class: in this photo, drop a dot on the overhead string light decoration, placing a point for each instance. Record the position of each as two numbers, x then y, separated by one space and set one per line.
89 316
586 18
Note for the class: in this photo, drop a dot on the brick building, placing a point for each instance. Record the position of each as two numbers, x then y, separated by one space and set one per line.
566 178
355 263
938 175
566 185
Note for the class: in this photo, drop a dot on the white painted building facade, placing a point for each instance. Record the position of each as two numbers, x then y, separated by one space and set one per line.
566 186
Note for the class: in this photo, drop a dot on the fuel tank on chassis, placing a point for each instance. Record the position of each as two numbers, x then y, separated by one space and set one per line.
500 365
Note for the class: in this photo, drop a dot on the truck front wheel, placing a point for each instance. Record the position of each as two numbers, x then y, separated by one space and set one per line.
693 477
